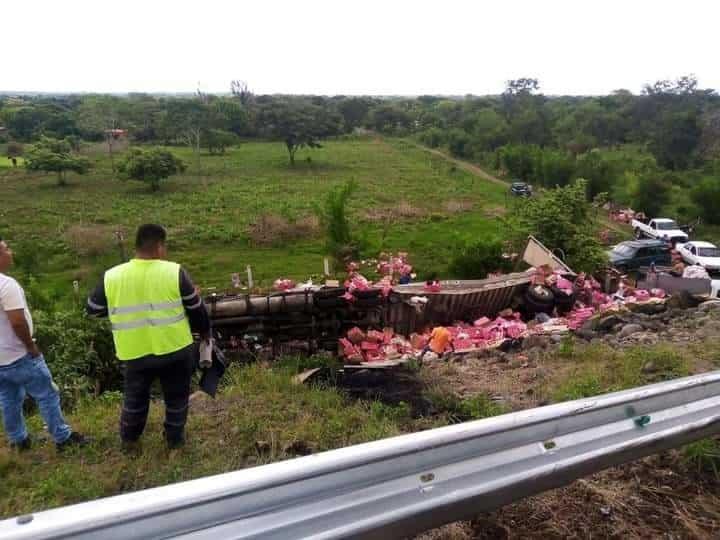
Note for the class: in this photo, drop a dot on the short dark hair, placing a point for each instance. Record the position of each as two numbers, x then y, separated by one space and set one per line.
149 235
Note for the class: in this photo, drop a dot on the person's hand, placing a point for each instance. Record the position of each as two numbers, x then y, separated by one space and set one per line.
34 351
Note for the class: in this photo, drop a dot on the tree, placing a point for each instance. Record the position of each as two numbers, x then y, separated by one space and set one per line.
217 140
99 116
298 124
676 139
54 155
14 150
564 221
354 112
151 166
333 215
459 143
653 193
706 195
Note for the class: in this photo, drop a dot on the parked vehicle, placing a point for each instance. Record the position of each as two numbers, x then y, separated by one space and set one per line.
705 254
521 189
631 255
659 228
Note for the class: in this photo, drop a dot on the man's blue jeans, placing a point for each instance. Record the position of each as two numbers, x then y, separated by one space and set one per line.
30 375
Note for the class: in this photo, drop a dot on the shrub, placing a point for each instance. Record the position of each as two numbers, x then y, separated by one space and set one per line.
151 166
459 143
333 215
432 137
706 194
79 351
475 261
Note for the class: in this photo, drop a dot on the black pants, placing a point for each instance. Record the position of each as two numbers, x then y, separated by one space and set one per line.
174 371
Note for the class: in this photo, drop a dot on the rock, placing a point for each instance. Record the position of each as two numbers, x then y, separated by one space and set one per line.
605 324
629 329
585 333
683 300
262 447
298 448
649 367
617 328
534 341
647 308
709 305
557 338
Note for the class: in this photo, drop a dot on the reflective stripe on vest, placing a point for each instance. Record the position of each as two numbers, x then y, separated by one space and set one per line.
145 308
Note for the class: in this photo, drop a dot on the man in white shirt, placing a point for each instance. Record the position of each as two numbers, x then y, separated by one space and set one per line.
23 368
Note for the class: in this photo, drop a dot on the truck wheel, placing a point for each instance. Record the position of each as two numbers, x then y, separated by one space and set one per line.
638 234
540 294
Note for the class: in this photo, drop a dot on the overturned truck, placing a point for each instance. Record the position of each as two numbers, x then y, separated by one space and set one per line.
317 318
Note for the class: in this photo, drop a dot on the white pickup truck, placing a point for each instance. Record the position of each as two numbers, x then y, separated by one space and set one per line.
659 228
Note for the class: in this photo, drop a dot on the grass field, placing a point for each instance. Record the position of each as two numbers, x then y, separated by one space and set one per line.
407 199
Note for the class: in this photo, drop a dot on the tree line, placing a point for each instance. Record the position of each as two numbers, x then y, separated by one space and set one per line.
548 140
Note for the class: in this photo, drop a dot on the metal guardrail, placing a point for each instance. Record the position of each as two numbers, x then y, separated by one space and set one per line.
400 486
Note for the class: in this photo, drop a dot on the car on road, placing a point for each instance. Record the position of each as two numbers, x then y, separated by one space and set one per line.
631 255
520 189
660 228
705 254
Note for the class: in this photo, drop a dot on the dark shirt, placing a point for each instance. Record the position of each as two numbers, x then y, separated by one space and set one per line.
97 304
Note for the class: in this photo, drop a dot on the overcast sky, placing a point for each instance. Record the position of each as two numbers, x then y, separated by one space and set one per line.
385 47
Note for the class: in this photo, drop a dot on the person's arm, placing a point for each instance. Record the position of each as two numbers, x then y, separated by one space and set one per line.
194 306
19 324
12 302
96 305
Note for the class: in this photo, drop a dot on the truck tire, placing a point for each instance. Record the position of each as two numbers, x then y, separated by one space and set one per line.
563 302
638 234
540 294
539 299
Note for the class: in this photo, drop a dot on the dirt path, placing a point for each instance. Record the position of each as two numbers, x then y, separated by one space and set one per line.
469 167
481 173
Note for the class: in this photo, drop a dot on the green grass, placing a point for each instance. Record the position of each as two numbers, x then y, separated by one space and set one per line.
208 210
5 163
260 417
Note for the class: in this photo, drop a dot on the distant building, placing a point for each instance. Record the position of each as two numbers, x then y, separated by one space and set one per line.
116 133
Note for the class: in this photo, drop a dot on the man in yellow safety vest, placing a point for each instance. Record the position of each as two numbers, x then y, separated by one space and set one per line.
152 305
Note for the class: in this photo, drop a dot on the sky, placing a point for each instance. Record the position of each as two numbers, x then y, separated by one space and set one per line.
364 47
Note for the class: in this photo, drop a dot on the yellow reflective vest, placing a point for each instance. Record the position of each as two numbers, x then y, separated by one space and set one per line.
145 308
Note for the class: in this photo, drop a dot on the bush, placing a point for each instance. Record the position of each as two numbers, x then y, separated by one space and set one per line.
653 193
151 166
564 220
519 160
459 143
339 239
477 260
706 195
432 137
79 351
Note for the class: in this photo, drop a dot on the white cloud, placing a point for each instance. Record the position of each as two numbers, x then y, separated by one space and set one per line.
361 47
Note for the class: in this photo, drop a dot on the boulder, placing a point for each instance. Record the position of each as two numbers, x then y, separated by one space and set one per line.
647 308
607 323
709 305
534 341
683 300
629 329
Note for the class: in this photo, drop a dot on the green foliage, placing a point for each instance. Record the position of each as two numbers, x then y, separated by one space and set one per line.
433 137
217 140
459 143
54 155
299 124
703 456
151 166
14 149
476 260
79 351
563 220
333 215
706 195
519 160
653 193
